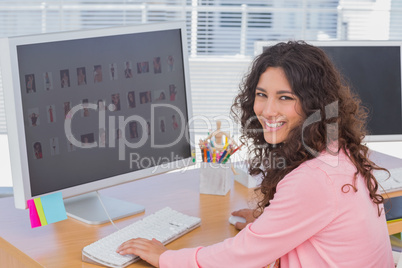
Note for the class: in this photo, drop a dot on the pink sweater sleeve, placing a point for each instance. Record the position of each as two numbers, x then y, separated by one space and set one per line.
304 204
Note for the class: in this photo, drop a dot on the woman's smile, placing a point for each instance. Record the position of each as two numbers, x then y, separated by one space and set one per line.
277 108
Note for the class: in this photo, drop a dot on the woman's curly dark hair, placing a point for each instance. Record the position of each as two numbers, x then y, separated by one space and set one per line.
333 115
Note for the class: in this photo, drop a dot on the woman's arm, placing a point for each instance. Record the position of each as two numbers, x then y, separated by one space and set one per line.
304 204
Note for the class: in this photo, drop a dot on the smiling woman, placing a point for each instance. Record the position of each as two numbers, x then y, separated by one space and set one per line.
321 208
290 87
278 109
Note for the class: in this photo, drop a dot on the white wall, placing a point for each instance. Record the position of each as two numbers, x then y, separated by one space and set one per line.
5 168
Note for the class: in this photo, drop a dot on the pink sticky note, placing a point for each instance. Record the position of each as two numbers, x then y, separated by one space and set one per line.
33 214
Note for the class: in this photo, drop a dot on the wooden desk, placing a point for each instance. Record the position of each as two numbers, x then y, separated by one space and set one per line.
59 244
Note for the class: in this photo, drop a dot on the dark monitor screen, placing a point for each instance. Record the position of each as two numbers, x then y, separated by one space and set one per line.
374 73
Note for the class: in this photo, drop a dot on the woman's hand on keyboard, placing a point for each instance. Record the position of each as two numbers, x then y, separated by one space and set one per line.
148 250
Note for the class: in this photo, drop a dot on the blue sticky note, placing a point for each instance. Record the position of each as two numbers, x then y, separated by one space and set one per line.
53 207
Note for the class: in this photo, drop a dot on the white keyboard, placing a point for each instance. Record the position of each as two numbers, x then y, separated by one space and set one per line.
391 184
394 166
164 225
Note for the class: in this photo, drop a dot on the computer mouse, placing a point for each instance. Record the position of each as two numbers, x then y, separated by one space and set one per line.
234 219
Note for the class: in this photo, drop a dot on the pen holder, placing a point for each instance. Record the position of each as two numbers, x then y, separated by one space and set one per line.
215 178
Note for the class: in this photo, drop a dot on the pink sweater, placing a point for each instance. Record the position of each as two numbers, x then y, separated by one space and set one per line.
310 223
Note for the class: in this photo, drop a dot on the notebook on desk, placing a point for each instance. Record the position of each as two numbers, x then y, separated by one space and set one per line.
393 208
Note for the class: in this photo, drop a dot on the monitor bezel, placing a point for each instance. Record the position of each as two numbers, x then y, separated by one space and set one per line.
259 45
14 111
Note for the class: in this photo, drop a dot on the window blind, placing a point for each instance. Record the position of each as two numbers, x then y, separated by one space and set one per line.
221 33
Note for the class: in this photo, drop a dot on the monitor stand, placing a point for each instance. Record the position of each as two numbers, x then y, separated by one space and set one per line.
87 208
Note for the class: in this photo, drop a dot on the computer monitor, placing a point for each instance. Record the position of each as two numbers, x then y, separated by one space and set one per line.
373 70
92 109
